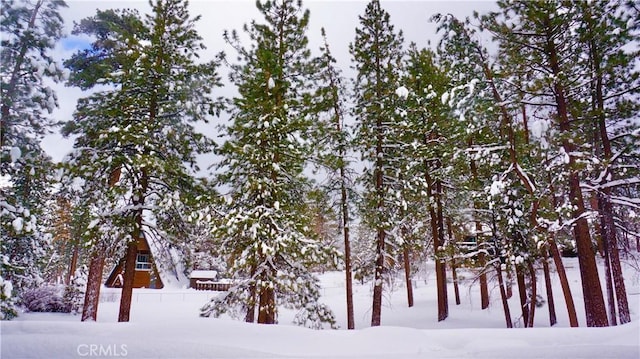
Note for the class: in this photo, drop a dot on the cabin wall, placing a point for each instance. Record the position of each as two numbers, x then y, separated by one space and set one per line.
142 278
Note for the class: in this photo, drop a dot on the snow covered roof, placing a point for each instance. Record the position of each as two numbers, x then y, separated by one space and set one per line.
207 274
169 263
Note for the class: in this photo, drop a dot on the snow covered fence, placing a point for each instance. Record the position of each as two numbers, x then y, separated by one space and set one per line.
159 296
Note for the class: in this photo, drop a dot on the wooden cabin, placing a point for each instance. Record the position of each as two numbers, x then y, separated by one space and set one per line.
208 280
146 275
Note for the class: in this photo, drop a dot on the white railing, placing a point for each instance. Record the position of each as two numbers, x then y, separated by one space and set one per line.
159 296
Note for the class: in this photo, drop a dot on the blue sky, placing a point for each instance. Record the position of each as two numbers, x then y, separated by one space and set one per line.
339 18
75 43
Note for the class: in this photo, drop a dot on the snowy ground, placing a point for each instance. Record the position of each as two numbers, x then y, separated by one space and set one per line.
165 324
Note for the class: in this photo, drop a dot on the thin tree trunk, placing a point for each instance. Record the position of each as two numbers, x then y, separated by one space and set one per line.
250 316
604 202
611 297
94 283
557 260
602 232
407 274
503 296
251 305
534 294
522 290
611 244
74 262
549 289
598 227
509 284
347 265
376 311
344 199
564 282
484 288
441 265
456 290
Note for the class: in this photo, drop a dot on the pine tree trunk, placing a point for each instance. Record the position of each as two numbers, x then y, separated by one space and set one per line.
534 294
611 298
376 311
604 203
407 274
438 264
132 250
522 290
595 308
564 282
598 227
251 305
267 306
344 202
611 244
437 231
549 289
484 288
557 260
456 289
454 275
250 316
127 282
503 296
347 264
441 266
94 283
509 284
74 262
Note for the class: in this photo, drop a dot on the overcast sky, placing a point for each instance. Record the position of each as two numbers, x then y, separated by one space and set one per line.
339 18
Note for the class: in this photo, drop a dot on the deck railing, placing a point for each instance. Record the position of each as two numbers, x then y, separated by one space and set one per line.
212 285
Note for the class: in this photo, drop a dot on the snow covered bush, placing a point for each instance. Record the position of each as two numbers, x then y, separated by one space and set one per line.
315 316
7 302
47 298
73 297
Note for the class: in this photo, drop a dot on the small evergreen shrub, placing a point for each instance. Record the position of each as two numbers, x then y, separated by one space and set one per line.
73 297
47 298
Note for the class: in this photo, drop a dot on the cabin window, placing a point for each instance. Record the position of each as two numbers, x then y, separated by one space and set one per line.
143 261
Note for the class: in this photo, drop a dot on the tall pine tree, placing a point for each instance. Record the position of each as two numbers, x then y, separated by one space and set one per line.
266 231
377 55
136 146
30 31
541 35
333 151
